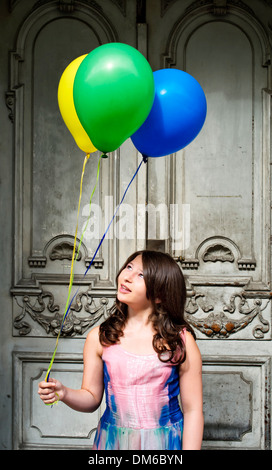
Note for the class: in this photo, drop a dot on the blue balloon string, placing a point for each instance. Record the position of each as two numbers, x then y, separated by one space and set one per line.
103 237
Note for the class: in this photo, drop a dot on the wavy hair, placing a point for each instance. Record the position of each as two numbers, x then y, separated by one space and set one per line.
166 289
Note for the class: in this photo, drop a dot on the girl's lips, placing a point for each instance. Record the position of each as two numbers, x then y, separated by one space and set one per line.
124 289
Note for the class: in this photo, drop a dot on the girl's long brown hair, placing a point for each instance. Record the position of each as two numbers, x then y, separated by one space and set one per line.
164 281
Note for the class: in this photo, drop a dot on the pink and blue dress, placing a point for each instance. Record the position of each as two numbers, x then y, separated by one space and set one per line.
142 406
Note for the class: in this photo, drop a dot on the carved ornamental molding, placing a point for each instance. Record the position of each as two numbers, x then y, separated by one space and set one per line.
43 310
230 319
218 249
61 248
86 311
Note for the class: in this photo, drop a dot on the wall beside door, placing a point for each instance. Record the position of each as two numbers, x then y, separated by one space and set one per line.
218 188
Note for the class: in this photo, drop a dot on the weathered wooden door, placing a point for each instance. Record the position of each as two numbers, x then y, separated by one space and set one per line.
208 205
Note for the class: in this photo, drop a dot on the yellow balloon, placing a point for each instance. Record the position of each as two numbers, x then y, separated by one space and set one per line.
67 107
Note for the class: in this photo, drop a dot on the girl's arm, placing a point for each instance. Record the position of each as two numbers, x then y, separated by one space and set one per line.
191 396
89 397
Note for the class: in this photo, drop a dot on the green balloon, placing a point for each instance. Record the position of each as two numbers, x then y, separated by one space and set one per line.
113 94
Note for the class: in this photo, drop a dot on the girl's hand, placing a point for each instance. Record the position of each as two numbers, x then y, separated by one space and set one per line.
88 398
51 391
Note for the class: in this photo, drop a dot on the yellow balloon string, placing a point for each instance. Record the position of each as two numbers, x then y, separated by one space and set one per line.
73 257
75 239
90 203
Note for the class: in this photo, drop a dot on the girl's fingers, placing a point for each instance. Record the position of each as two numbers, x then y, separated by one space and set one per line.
47 385
49 401
48 397
47 392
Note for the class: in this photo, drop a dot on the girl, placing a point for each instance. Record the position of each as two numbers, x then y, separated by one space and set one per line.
143 355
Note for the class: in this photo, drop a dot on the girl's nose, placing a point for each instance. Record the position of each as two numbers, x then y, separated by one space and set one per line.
128 276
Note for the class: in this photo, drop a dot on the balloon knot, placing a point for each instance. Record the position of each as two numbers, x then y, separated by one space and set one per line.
104 155
145 157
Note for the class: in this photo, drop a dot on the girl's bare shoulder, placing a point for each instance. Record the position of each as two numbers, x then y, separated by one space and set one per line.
193 355
93 342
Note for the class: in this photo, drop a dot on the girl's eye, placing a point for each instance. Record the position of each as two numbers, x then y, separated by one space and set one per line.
129 266
141 275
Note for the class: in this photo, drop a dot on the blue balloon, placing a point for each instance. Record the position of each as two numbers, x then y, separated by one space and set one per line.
176 117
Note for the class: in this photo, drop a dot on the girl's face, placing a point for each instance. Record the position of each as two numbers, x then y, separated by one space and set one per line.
131 285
